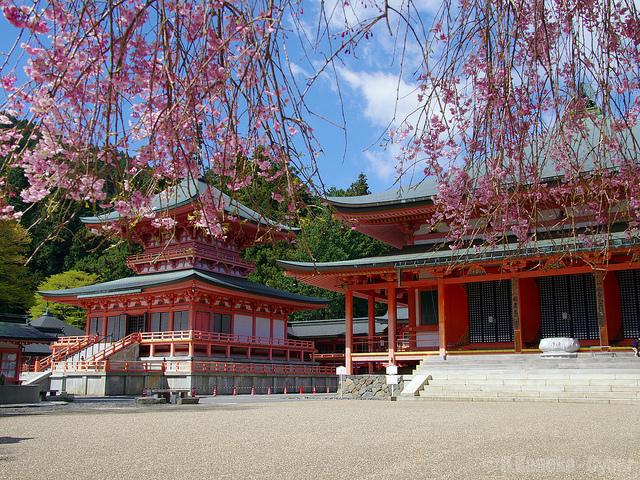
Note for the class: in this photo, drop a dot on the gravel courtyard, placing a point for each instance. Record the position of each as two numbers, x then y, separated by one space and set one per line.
317 439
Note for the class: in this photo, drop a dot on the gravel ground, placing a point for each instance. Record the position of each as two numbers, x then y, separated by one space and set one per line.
311 439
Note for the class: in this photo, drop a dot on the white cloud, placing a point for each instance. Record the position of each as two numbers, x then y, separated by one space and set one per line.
388 100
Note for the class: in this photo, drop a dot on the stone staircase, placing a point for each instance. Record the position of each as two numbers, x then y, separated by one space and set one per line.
526 377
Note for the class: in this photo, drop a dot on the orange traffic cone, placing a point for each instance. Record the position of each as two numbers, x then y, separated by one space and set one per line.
144 392
253 389
235 390
269 390
215 390
300 389
314 389
285 389
327 388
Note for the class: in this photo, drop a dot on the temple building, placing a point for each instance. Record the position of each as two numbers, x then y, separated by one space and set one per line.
190 300
478 299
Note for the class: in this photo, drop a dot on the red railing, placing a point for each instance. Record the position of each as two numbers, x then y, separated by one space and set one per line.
70 345
373 344
188 366
191 250
225 338
114 347
215 367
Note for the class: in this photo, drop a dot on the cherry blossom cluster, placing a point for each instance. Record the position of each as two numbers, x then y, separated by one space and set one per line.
530 119
124 96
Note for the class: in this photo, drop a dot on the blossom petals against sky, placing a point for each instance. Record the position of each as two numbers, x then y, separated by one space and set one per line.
376 90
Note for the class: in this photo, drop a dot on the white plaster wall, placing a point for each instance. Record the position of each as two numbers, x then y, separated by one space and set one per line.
263 327
242 325
279 330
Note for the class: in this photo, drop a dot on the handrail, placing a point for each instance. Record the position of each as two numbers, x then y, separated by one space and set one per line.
114 347
73 340
213 337
73 345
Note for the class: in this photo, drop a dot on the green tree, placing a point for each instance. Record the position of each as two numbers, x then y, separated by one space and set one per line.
16 291
75 316
322 239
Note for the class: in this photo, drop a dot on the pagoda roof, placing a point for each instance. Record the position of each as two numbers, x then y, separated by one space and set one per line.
186 192
138 283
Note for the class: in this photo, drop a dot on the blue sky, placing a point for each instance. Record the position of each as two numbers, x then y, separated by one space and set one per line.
373 93
372 90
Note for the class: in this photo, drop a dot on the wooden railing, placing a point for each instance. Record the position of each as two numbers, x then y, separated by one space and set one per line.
373 344
69 346
215 367
225 338
179 251
190 366
114 347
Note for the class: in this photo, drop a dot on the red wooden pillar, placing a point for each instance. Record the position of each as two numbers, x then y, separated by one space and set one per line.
391 303
372 325
348 338
104 324
516 313
602 314
192 313
413 317
442 317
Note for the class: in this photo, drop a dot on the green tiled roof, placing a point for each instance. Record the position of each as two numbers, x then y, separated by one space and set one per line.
140 282
426 255
184 193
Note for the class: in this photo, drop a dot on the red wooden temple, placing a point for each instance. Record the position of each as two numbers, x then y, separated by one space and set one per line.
190 298
477 299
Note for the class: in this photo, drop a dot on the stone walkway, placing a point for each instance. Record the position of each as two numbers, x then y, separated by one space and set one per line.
317 439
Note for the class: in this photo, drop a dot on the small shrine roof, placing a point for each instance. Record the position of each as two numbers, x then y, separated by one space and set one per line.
138 283
50 324
335 327
16 328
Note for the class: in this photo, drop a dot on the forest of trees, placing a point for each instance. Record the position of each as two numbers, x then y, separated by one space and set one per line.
76 257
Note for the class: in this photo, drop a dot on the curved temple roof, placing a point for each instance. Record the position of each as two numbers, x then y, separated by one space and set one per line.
186 192
137 284
587 147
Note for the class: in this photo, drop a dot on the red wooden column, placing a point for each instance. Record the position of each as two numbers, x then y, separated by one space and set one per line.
602 314
516 313
372 325
442 317
391 303
348 338
104 321
413 317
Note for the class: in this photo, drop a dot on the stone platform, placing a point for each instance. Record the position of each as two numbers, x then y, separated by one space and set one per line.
527 377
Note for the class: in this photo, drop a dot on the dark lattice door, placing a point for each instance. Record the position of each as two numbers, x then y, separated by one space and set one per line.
490 313
629 282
